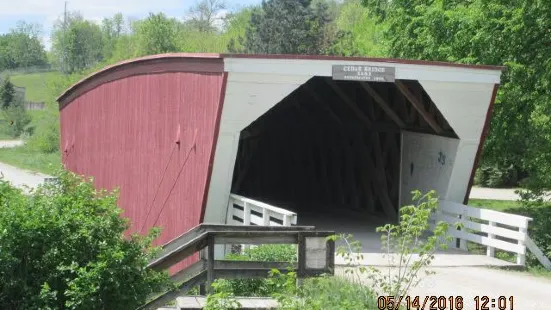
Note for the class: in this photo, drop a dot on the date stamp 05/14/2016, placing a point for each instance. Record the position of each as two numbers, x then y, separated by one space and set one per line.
443 303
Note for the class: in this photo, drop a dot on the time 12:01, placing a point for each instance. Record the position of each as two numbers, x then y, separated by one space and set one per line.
487 303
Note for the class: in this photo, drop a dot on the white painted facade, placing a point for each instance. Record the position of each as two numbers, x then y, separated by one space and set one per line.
254 86
427 162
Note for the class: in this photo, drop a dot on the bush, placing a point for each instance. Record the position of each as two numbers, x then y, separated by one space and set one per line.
46 136
16 121
535 205
329 293
496 176
320 293
407 246
62 247
266 253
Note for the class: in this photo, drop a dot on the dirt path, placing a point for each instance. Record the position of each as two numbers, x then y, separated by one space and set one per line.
494 193
10 143
19 177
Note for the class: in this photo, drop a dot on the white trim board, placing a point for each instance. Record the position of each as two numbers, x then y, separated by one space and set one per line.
311 67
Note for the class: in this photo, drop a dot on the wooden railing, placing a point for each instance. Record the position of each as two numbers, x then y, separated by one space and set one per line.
246 211
316 255
493 229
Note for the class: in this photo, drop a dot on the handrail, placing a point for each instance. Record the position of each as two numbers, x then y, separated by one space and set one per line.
176 248
493 229
310 262
538 253
247 211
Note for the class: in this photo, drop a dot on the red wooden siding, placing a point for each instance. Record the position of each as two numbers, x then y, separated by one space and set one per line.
124 133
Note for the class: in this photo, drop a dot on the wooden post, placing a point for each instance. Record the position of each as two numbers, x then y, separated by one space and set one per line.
330 256
521 258
490 250
202 288
210 264
301 270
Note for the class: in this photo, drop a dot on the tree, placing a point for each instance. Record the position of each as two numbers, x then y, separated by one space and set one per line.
111 31
21 47
7 93
156 34
63 247
287 27
76 43
358 32
205 13
235 27
494 32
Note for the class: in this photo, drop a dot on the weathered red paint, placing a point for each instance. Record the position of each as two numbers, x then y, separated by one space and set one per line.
153 137
483 135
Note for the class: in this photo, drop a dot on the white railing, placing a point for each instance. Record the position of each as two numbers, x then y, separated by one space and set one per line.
246 211
504 231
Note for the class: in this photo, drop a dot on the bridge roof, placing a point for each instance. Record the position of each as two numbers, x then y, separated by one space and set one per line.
212 62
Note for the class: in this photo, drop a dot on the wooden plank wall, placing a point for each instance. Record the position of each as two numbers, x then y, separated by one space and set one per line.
333 144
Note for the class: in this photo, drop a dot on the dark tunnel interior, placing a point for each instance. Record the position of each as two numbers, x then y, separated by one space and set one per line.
334 145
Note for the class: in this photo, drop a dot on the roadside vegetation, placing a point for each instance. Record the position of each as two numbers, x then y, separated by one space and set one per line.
63 247
35 84
496 205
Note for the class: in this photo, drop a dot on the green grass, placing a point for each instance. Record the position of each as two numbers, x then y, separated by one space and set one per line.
497 205
36 84
25 158
540 272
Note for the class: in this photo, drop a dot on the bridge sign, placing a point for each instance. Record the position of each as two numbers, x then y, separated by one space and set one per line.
363 73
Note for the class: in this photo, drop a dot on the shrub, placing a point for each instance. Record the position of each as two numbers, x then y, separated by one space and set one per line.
266 253
16 120
406 245
62 247
322 293
46 136
496 176
535 204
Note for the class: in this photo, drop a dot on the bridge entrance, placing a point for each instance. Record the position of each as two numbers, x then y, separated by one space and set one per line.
334 148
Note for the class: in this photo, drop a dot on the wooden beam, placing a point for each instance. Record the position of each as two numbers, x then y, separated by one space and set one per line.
349 102
418 105
326 107
378 179
383 104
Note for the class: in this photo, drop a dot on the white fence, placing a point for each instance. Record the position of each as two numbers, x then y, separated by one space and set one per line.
246 211
493 229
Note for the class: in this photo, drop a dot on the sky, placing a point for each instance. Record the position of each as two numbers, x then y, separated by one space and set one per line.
46 12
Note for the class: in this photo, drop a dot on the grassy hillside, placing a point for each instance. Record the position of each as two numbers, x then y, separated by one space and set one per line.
37 154
36 84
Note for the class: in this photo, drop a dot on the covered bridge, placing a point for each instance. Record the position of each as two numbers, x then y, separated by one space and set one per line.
178 133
